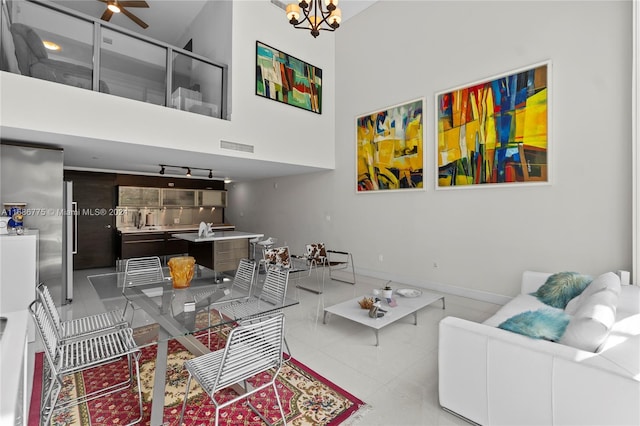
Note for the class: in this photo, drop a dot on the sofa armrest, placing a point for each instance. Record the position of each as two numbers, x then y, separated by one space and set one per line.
493 376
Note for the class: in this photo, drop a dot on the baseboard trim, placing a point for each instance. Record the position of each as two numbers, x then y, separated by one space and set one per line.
483 296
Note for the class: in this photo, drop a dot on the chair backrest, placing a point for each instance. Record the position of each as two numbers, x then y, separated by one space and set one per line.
245 275
317 252
278 256
143 270
274 289
45 329
47 301
252 348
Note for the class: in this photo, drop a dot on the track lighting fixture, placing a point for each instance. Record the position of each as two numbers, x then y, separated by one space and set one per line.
187 168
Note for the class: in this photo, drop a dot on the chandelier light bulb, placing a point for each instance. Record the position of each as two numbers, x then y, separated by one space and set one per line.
293 13
314 15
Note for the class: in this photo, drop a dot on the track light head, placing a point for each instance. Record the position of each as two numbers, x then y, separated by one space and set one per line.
188 171
161 169
210 174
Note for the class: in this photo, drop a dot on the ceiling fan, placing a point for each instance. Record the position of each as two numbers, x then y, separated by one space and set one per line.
117 6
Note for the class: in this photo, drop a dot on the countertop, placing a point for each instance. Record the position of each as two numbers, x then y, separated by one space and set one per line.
172 228
13 369
217 236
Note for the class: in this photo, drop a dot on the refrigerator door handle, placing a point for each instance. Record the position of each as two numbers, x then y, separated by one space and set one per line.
74 207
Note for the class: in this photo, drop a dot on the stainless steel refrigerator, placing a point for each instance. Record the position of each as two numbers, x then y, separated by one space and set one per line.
35 176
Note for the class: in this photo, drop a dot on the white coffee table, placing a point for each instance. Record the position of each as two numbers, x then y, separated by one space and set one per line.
351 310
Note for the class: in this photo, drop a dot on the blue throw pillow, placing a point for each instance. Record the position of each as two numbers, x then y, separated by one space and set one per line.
547 324
560 288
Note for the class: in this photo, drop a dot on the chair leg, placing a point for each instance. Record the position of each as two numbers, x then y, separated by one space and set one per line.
286 345
137 360
49 402
255 410
184 402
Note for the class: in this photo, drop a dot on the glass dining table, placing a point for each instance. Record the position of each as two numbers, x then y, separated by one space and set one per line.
176 313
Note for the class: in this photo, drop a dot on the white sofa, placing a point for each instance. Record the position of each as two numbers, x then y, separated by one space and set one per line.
492 376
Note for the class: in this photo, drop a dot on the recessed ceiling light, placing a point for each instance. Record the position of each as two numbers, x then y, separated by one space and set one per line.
50 45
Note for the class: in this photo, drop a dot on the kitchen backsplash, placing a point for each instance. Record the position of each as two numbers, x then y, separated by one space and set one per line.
166 216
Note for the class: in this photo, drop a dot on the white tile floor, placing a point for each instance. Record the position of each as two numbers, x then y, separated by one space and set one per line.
398 379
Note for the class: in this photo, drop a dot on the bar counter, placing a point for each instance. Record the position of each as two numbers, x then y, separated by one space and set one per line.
220 251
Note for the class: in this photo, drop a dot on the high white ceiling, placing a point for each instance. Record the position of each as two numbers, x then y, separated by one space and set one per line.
168 20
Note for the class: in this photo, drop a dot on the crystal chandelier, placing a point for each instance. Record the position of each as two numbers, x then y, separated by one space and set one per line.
316 16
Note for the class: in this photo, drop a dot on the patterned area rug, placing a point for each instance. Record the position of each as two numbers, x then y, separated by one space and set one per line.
307 398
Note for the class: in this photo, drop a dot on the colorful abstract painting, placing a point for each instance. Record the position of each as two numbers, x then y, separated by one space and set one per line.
494 132
390 152
286 79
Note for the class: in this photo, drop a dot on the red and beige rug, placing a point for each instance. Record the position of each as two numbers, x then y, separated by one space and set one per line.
307 397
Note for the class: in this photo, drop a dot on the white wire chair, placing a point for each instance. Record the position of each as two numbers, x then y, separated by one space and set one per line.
79 327
141 271
254 347
273 293
244 280
78 355
271 296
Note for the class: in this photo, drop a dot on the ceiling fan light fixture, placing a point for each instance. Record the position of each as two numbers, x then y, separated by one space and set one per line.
112 5
51 45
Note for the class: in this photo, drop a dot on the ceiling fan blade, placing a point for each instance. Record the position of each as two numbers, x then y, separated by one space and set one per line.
106 15
133 3
134 18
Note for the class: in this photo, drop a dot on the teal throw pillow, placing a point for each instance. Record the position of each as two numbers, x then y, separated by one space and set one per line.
547 324
561 287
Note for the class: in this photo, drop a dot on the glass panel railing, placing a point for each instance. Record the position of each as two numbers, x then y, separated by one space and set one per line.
196 86
133 68
46 44
125 64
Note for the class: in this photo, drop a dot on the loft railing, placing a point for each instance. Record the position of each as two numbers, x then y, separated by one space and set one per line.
95 55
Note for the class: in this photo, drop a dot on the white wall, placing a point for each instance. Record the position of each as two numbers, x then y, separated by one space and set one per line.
278 132
482 238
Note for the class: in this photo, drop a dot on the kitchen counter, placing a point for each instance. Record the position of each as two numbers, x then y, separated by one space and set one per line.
221 251
217 236
172 228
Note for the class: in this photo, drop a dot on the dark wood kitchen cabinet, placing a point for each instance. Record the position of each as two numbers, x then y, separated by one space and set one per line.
142 244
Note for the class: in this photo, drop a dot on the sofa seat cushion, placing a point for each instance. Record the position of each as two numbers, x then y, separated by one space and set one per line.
519 304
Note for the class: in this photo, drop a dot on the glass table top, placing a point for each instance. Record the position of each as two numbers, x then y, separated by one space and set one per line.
180 312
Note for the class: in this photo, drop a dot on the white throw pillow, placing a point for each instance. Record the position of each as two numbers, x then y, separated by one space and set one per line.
590 326
608 280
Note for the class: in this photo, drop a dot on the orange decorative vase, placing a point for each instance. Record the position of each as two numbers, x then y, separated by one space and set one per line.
181 270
